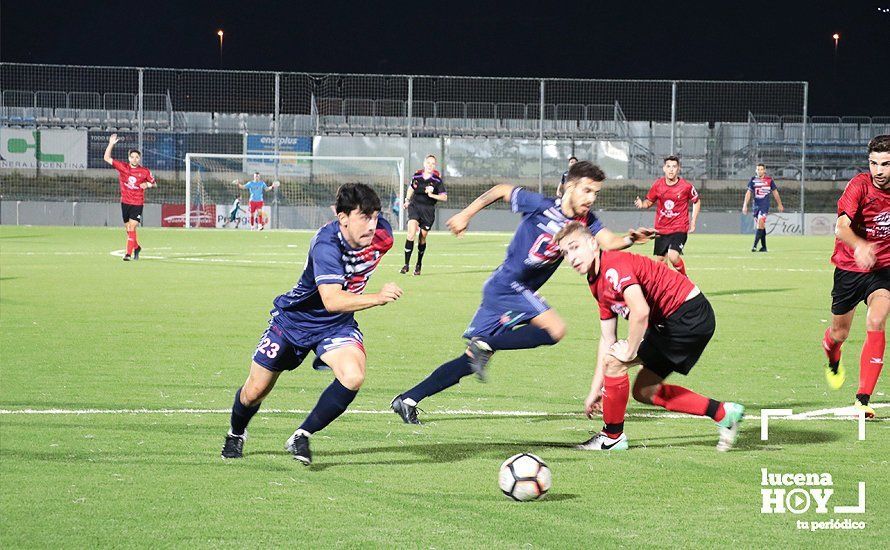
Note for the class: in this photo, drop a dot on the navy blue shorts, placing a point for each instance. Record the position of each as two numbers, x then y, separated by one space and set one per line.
760 213
503 308
281 349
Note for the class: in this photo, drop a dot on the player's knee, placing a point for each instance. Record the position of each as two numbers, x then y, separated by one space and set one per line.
352 379
875 323
643 394
252 395
840 334
557 331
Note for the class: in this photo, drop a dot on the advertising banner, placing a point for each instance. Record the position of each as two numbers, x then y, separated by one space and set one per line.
46 149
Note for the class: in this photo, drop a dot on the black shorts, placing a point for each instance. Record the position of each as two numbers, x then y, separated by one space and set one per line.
677 343
675 241
851 287
131 212
425 215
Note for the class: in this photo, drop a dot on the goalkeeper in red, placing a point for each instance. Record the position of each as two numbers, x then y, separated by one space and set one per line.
862 272
670 322
134 179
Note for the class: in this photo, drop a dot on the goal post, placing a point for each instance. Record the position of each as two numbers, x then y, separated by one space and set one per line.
308 186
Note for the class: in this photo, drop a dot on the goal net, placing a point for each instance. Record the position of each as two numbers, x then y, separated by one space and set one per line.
302 199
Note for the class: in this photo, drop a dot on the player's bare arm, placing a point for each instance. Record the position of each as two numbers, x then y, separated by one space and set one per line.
747 201
112 141
408 196
337 300
642 203
607 240
696 208
863 251
458 223
778 200
637 323
608 336
239 184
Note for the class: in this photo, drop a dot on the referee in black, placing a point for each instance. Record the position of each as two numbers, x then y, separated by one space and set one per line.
425 191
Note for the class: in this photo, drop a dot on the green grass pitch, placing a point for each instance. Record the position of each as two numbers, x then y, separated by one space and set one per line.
166 341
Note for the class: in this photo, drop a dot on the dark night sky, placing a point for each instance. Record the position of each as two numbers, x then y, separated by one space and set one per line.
720 39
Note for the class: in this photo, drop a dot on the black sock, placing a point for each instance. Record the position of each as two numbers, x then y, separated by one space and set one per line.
756 238
713 407
333 401
863 398
409 248
421 248
447 375
525 337
241 415
763 237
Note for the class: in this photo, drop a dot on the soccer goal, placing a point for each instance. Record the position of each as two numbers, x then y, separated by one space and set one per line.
302 199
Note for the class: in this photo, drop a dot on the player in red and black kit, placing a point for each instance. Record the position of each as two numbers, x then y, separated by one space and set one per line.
672 195
134 179
862 272
670 322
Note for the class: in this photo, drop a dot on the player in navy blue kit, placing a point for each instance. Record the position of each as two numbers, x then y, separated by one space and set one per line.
761 186
317 315
512 315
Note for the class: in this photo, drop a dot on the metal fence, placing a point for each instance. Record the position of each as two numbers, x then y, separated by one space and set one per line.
484 130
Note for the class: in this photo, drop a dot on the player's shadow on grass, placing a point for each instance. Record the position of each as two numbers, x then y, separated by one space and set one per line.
733 292
433 453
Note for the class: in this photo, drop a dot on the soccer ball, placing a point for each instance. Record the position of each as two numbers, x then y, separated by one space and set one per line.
524 477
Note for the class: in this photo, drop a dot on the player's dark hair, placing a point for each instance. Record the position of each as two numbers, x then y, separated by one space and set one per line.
879 144
432 156
357 195
585 169
760 164
137 151
573 157
674 158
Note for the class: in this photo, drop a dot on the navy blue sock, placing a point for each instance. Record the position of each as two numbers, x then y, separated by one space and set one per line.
763 237
756 238
333 401
447 375
241 415
525 337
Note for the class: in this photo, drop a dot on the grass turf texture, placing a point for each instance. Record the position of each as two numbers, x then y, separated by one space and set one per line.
81 329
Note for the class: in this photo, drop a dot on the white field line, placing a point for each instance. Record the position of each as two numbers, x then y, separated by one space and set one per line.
840 413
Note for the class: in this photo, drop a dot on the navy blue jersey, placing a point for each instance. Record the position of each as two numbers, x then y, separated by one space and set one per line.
331 261
761 188
532 256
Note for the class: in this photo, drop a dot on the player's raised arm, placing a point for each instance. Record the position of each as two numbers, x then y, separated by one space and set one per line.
239 184
112 141
459 222
337 300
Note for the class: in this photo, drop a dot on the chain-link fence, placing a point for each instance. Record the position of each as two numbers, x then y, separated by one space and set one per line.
56 121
